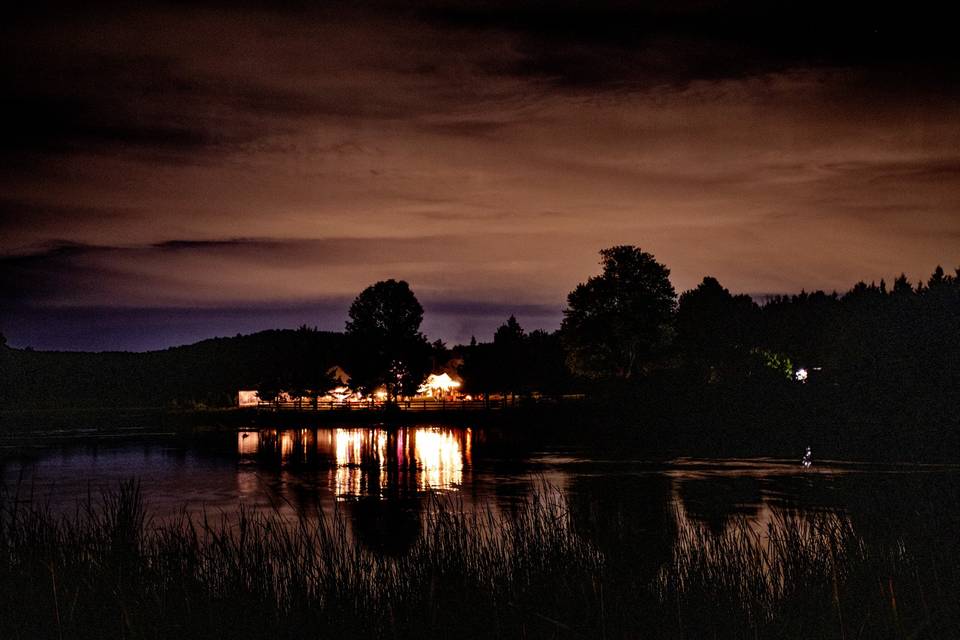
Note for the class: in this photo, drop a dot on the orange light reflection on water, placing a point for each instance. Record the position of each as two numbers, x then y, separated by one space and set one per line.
348 479
435 457
248 442
371 461
439 459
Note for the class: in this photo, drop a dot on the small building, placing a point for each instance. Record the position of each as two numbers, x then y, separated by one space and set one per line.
248 398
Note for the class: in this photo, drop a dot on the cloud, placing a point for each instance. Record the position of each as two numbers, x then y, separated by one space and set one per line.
176 157
208 274
610 46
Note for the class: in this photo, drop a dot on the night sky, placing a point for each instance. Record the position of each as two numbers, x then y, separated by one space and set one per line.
182 171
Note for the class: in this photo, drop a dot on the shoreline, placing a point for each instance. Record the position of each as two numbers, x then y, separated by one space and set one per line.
592 424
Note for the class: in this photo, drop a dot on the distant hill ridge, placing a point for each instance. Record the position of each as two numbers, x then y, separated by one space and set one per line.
208 372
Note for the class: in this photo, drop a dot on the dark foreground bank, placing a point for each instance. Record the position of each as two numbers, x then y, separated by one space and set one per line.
107 572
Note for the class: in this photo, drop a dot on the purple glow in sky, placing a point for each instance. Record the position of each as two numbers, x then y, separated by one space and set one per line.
171 173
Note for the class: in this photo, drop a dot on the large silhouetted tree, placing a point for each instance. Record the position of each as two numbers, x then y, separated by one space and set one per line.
544 369
269 389
618 323
479 368
714 326
388 348
509 342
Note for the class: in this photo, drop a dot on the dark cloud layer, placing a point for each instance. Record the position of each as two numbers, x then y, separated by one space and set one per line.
173 171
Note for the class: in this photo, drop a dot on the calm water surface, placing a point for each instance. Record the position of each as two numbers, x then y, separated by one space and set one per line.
382 479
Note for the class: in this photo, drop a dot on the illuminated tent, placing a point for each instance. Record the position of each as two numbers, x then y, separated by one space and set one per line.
337 373
341 392
440 385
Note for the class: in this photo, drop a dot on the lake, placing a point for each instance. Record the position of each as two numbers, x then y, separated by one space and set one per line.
382 479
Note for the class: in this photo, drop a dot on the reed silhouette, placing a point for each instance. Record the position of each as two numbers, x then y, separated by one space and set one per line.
107 571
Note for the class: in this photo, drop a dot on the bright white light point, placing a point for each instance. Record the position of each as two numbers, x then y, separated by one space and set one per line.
801 375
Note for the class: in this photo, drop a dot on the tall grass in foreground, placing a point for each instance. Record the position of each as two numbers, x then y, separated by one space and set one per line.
106 572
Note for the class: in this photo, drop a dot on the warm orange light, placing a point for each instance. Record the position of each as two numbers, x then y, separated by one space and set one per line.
248 398
438 385
248 442
439 459
286 444
438 455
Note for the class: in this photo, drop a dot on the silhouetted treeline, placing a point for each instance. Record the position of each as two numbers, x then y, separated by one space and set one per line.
516 363
208 373
881 362
876 369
